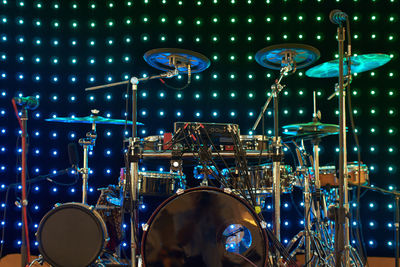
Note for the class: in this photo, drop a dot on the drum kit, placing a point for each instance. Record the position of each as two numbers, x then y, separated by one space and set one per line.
219 223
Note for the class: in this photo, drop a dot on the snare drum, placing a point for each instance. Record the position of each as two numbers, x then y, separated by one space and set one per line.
261 178
204 226
71 235
160 183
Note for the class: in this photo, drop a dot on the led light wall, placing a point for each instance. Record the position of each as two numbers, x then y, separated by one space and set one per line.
55 49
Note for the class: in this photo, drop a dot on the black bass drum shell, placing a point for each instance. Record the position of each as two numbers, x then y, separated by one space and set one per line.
187 230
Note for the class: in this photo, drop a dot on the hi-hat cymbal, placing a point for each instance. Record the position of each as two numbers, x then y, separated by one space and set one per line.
91 119
168 59
273 57
359 64
310 129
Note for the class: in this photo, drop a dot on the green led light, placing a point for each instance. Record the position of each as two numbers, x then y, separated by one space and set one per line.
391 38
300 36
56 6
319 37
92 24
250 76
373 17
250 20
179 95
145 38
145 19
4 20
300 74
21 4
373 111
232 38
251 95
285 36
233 2
233 94
215 57
355 92
56 24
163 38
301 92
300 18
391 112
128 21
197 96
372 149
249 57
318 18
128 40
391 19
179 39
391 93
232 57
110 23
319 93
232 76
214 38
163 19
249 38
180 3
215 20
372 74
74 5
179 21
268 38
391 131
197 39
372 130
284 18
301 111
355 36
268 19
129 3
373 36
145 1
199 3
233 20
390 149
214 95
198 22
215 76
74 24
92 5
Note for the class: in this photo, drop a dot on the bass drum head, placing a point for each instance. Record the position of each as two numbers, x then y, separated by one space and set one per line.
204 226
71 235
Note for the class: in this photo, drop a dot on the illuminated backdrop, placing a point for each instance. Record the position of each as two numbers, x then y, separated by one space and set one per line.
54 49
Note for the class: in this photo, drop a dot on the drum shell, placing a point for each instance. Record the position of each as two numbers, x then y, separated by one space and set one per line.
352 169
327 176
71 235
261 178
160 183
180 203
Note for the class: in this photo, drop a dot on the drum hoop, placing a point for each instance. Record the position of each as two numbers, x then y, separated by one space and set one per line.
205 188
91 212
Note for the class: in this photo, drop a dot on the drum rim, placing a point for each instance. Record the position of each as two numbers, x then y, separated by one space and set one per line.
86 208
206 188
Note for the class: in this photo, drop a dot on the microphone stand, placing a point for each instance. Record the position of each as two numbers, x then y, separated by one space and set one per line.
24 202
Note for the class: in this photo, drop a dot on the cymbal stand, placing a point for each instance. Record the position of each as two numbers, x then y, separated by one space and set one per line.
133 153
276 143
342 234
87 143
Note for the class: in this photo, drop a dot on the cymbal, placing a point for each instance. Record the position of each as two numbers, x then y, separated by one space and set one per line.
359 64
310 129
167 59
273 57
91 119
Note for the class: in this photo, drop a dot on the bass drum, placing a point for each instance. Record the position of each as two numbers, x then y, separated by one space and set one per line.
71 235
204 226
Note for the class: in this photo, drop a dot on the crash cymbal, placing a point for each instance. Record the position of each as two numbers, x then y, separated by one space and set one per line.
274 57
90 119
359 64
310 130
167 59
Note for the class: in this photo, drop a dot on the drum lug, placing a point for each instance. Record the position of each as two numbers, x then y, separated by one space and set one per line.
180 191
145 227
263 224
57 205
228 190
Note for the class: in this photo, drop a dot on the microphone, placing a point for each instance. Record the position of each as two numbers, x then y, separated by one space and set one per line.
30 102
337 16
73 155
